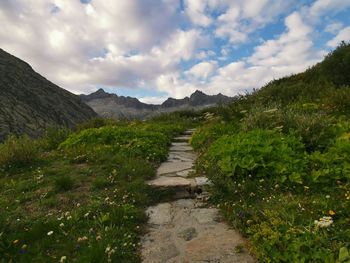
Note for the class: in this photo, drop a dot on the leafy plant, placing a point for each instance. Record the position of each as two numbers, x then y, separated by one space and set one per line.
53 137
332 165
258 154
205 135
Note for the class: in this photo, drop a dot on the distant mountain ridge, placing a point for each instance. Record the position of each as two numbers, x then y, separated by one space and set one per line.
29 103
114 106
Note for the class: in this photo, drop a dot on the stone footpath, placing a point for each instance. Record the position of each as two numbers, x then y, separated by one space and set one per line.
187 230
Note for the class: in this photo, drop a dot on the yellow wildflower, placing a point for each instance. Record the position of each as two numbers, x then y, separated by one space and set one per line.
331 212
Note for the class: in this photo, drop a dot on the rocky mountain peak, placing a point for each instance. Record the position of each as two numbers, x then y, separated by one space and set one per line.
111 105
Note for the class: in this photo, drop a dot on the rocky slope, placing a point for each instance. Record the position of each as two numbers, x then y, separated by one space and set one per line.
29 103
114 106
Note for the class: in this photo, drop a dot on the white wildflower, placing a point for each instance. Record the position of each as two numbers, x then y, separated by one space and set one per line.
323 222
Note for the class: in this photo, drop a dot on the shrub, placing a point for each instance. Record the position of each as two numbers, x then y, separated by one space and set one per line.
168 129
53 137
337 99
100 183
258 154
64 183
131 168
262 117
131 141
332 165
205 135
18 151
336 65
316 128
96 123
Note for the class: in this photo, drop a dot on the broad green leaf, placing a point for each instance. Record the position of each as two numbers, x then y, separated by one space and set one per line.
344 255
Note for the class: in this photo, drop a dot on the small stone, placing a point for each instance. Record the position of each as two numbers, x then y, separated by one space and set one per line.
202 181
188 234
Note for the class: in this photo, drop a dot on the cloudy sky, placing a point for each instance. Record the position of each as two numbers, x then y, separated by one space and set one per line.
153 49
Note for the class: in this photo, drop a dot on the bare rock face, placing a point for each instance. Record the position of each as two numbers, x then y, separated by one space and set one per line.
29 103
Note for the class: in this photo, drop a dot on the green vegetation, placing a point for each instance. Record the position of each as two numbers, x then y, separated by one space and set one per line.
80 196
279 162
18 151
278 159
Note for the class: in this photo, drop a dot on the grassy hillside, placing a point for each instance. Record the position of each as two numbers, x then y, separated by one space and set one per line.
80 196
279 159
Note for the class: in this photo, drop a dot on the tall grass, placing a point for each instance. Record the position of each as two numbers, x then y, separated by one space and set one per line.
18 151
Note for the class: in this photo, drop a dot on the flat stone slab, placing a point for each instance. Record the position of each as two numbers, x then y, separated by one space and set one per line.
160 253
216 246
205 215
170 182
159 214
173 167
192 235
185 173
190 131
181 148
182 156
183 138
180 144
184 203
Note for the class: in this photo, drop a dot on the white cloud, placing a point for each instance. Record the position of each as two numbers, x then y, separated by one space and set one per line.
321 7
243 18
141 39
291 49
291 52
203 54
203 70
147 43
343 35
334 28
196 10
